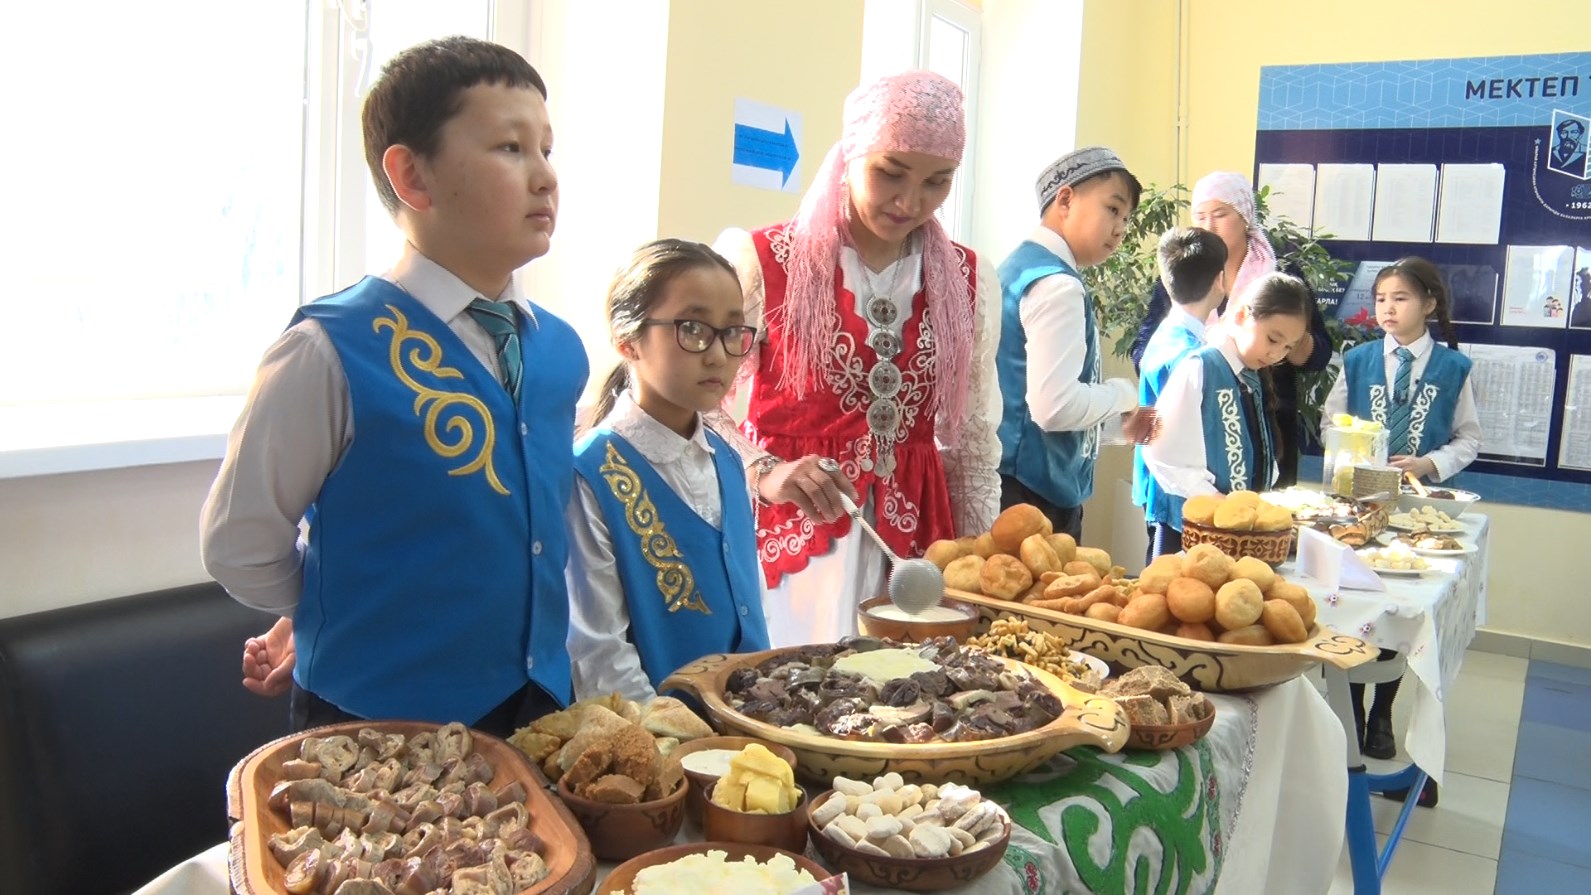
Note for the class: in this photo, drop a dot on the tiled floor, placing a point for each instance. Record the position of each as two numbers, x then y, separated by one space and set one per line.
1515 814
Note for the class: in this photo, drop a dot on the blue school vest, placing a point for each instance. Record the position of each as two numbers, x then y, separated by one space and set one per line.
1229 452
691 589
1059 466
1171 342
434 573
1435 393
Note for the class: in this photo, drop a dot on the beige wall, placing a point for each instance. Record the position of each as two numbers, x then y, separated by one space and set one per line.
1129 99
804 57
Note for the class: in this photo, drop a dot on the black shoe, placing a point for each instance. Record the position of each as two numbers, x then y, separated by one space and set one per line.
1378 741
1427 798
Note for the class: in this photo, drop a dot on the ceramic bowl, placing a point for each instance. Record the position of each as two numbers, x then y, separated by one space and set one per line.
700 782
908 874
1454 507
1088 719
1267 546
786 831
1201 664
1160 737
916 631
622 878
620 832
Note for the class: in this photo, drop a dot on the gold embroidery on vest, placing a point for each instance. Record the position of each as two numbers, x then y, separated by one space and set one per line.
457 407
674 578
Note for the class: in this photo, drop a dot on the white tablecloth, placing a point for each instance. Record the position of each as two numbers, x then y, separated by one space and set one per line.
1431 621
1280 784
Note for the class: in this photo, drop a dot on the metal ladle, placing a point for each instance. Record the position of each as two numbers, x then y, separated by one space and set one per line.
914 584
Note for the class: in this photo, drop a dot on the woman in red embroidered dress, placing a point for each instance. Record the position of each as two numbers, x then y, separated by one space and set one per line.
878 345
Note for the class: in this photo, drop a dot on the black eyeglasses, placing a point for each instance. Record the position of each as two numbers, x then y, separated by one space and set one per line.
696 337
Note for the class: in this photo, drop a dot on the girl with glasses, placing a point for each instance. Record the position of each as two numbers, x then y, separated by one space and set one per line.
663 550
876 350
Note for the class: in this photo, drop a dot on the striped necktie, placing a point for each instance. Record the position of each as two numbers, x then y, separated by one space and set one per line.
500 322
1402 403
1259 429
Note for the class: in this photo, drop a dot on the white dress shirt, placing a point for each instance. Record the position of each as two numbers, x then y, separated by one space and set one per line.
602 657
1052 313
971 466
1176 458
1463 447
296 423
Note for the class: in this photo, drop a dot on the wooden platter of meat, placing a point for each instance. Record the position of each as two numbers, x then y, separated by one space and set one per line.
1204 665
369 808
934 712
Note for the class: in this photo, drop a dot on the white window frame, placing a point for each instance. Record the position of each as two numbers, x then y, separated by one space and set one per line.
52 439
969 20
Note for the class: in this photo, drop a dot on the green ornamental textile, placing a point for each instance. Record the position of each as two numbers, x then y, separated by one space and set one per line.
1141 823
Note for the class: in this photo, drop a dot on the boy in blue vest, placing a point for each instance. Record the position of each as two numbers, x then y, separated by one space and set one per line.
1056 403
1193 267
419 424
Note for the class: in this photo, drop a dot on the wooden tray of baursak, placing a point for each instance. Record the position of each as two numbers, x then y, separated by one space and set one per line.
255 871
1202 665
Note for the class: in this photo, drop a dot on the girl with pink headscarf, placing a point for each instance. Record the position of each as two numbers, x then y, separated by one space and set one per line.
1223 203
876 361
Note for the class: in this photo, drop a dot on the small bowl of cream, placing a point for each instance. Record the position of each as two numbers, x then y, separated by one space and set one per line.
879 617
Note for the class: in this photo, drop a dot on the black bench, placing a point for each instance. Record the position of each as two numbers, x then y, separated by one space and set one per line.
119 721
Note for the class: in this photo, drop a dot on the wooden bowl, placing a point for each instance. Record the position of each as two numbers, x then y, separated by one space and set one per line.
916 631
1088 720
1161 737
620 832
253 870
1267 546
623 876
1201 664
787 831
908 874
700 782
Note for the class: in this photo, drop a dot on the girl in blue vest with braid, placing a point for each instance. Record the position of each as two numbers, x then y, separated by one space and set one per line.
1420 391
1215 435
663 564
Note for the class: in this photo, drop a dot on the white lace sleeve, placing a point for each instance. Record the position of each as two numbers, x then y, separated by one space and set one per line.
972 466
736 247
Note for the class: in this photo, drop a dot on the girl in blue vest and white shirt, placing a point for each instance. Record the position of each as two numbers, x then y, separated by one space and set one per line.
663 562
1215 436
1420 391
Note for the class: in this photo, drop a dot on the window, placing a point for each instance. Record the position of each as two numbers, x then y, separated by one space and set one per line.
948 45
190 173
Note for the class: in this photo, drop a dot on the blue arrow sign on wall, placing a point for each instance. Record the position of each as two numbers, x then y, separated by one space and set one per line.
768 150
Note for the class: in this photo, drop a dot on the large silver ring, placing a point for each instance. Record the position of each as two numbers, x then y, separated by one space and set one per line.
828 465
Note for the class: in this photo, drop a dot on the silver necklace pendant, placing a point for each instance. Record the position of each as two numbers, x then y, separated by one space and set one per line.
881 311
882 418
884 467
885 344
884 379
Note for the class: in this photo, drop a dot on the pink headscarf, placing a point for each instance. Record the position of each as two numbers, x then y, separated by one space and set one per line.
915 111
1233 189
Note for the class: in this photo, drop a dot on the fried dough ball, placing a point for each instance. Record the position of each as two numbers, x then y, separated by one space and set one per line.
1273 518
1190 600
1244 498
1248 635
1079 567
1201 510
1236 517
1147 611
1037 554
1097 558
1065 546
1105 612
966 574
1015 524
1196 631
1282 620
984 546
1255 570
1238 604
1207 563
1034 591
1297 597
943 552
1005 577
1156 578
1071 585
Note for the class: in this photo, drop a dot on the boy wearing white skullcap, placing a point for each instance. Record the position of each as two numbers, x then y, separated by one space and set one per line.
1055 402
